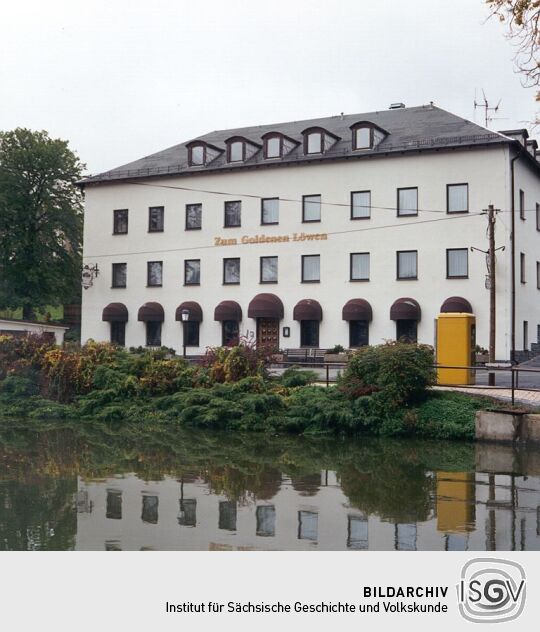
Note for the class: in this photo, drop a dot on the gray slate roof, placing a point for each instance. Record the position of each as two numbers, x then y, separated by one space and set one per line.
409 129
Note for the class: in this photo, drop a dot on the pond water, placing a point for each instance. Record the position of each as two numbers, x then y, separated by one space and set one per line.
95 488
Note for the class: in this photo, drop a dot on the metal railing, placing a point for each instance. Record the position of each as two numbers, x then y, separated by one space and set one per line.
513 385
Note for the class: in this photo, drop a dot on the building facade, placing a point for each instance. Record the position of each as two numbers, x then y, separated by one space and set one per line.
345 230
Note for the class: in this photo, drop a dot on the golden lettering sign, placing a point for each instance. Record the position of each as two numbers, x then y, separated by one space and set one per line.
269 239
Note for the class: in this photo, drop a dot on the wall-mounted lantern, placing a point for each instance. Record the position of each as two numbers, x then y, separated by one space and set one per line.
89 273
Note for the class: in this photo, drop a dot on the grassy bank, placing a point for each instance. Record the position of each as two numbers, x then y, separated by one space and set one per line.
384 391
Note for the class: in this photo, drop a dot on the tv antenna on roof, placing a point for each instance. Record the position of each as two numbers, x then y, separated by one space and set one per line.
487 109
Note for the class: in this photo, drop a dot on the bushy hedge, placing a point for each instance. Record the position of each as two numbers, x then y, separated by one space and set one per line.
401 371
384 391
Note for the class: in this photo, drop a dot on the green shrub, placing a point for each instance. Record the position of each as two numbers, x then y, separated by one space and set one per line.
16 386
401 371
336 349
292 377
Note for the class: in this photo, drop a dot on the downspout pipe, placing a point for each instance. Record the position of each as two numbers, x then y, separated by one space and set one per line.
513 256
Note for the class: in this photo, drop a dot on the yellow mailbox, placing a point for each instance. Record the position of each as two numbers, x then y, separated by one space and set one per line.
456 340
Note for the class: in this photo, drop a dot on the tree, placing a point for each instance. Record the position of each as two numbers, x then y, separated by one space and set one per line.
40 221
522 18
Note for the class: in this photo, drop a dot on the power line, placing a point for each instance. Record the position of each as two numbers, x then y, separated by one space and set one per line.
299 201
262 197
339 232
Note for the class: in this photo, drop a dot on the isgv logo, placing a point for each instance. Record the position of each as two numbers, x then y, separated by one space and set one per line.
491 590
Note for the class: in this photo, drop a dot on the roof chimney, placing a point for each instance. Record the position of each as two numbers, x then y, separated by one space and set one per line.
396 106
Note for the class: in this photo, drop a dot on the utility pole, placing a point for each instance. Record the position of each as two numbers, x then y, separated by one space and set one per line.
492 298
491 284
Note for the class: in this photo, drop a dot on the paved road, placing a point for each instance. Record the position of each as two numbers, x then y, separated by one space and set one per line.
527 380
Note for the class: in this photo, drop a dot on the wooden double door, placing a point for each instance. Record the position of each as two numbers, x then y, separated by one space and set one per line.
268 332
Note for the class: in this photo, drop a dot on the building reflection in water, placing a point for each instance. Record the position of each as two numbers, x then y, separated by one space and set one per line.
460 511
383 496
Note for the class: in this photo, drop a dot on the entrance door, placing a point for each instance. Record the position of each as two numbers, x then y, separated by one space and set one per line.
268 332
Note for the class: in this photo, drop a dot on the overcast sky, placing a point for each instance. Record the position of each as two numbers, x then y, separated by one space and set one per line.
121 79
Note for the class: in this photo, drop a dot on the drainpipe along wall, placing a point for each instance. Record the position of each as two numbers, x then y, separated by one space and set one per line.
513 257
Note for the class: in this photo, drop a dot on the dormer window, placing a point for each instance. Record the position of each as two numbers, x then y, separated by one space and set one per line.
197 155
273 147
362 138
277 145
366 135
201 153
236 151
318 140
314 143
240 149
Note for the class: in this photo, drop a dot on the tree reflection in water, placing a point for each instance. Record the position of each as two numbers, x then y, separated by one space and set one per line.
43 475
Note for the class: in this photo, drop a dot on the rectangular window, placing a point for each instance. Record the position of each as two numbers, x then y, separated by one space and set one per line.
187 516
227 515
154 274
537 216
269 269
233 214
193 216
457 263
308 524
266 521
362 138
538 275
359 266
407 264
118 333
156 219
273 147
236 151
114 505
191 333
407 201
360 204
405 537
231 271
311 208
521 204
119 274
457 198
153 333
192 272
525 335
357 533
230 333
311 268
314 143
150 506
120 221
522 267
358 333
309 333
197 155
407 330
270 211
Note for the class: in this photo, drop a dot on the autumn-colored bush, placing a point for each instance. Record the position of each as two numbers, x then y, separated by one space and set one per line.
230 364
20 353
